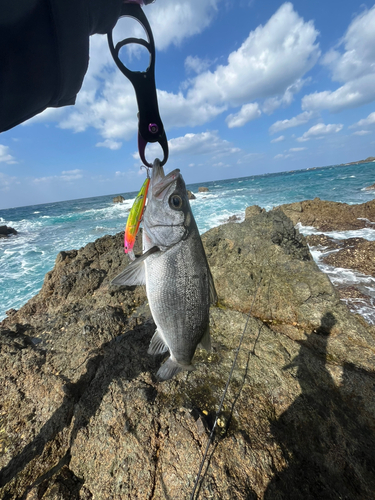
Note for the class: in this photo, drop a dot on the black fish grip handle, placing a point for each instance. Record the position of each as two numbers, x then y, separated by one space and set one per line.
150 126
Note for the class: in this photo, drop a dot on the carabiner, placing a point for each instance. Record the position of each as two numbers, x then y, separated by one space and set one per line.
150 126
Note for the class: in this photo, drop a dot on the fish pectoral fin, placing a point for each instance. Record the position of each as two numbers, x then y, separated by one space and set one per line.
170 368
205 343
157 344
213 294
134 273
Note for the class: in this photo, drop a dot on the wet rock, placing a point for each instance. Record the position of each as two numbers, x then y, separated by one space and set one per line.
82 415
191 195
118 199
6 231
355 253
330 215
370 188
203 189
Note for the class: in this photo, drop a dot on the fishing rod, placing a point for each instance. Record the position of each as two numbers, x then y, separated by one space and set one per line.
222 399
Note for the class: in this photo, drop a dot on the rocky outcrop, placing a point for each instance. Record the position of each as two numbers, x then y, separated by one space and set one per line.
331 215
6 231
82 415
118 199
370 188
253 210
191 195
203 189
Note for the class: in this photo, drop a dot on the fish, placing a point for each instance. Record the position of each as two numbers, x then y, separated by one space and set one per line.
134 219
174 268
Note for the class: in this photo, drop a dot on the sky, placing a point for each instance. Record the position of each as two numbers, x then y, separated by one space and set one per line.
245 87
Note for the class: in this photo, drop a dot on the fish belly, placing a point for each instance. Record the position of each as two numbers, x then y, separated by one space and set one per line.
178 293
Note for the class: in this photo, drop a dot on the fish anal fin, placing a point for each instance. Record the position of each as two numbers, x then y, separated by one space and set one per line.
213 294
205 342
157 344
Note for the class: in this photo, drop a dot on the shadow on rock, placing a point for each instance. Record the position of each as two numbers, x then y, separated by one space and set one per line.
123 358
326 438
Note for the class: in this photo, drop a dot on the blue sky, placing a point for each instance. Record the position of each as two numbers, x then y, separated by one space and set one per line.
245 87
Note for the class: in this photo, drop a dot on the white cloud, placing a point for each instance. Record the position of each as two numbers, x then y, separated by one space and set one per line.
278 139
173 21
320 130
362 132
271 62
354 67
66 176
109 143
293 122
365 122
295 150
247 113
273 103
6 181
5 157
195 144
196 65
281 156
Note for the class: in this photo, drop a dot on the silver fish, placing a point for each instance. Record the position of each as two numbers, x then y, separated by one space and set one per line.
174 267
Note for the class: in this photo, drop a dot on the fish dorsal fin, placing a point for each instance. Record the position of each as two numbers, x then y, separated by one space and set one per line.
213 294
157 344
134 273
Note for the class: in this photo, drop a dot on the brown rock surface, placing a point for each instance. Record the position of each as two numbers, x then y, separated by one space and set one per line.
82 415
118 199
357 254
253 210
191 195
330 215
203 189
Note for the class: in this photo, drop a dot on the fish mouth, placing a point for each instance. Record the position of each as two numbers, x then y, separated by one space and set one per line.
160 181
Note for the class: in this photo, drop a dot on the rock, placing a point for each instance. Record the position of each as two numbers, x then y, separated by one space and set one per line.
233 218
331 215
83 416
191 195
370 188
203 189
357 254
118 199
252 211
5 231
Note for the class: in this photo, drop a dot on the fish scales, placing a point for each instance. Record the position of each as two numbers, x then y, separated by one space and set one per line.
175 270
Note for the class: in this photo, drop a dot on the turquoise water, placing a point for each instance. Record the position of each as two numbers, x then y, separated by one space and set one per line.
45 230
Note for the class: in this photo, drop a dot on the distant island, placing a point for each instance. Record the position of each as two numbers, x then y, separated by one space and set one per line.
367 160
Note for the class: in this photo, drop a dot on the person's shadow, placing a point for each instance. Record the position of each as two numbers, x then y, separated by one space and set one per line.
326 437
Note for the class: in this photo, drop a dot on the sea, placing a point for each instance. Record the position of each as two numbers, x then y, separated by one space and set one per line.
45 230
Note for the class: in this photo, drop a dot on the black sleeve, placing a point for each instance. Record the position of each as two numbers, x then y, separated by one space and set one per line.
44 52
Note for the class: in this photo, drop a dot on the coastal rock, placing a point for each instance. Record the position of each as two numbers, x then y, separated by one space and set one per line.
331 215
203 189
370 188
191 195
253 210
118 199
233 218
83 416
6 231
354 253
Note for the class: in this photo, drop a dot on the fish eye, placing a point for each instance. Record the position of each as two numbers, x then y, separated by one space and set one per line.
175 201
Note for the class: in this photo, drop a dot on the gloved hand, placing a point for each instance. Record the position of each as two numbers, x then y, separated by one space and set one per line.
44 52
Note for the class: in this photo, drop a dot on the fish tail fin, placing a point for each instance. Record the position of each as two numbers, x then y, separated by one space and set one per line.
170 368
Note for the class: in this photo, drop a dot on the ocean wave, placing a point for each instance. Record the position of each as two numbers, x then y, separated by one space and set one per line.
366 233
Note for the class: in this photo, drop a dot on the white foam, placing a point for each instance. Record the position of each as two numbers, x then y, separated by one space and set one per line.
366 233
